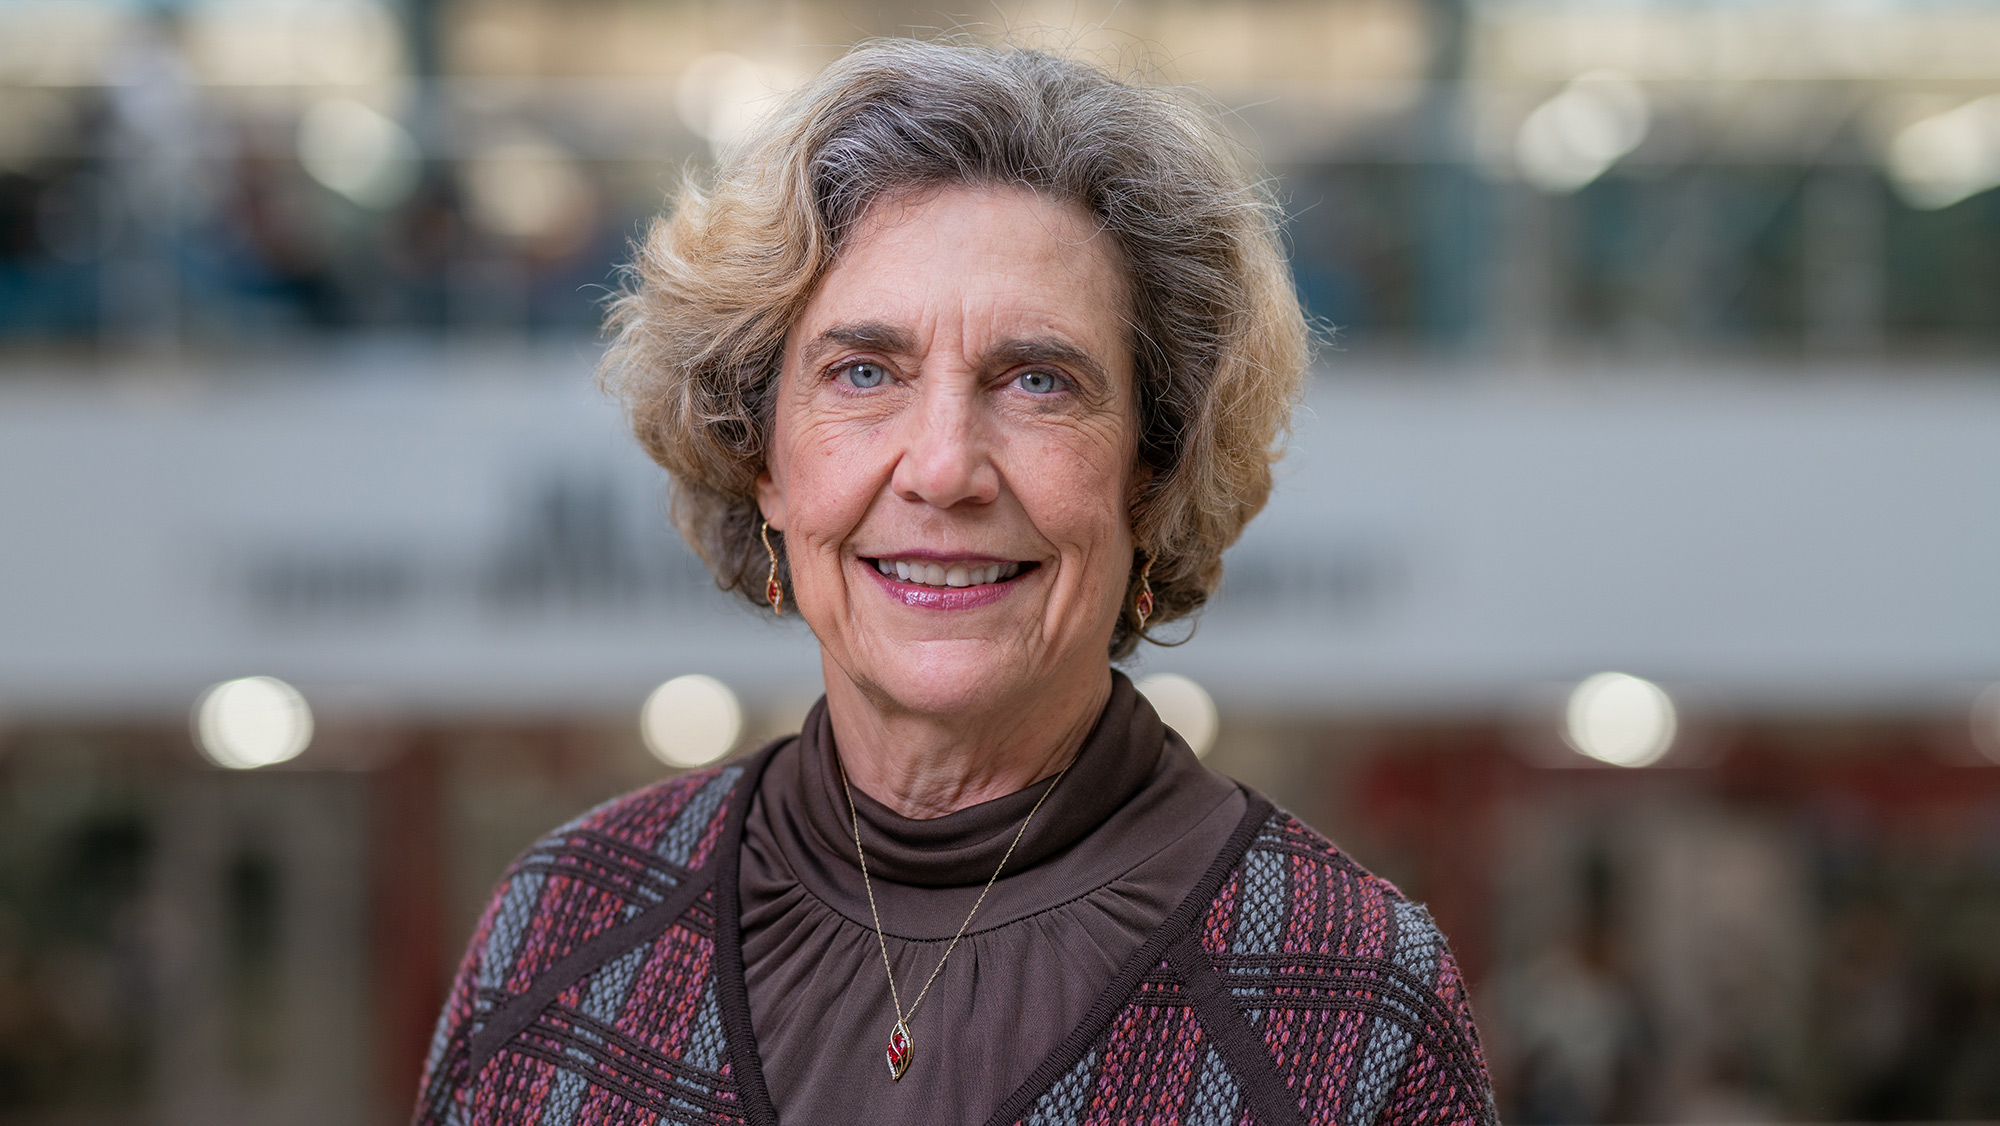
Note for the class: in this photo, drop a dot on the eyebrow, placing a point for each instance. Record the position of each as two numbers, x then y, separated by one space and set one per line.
882 337
1047 350
876 336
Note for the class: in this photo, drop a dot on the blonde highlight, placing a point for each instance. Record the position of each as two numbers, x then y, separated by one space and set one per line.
1220 345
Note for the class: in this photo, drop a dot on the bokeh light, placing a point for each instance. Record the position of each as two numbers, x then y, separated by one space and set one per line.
1620 719
721 93
251 722
1576 136
530 189
1986 723
358 152
1184 705
691 721
1949 157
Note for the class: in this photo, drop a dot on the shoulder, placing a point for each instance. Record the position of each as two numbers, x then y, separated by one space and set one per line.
1351 972
1295 891
539 954
677 819
601 866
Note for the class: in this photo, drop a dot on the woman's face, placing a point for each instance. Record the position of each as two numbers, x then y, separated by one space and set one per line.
952 460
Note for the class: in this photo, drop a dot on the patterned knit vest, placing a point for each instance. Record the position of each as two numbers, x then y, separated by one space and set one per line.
604 985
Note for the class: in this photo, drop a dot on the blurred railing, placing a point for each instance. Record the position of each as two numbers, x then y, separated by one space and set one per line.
1534 179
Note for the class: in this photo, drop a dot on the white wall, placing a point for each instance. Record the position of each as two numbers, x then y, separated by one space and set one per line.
415 531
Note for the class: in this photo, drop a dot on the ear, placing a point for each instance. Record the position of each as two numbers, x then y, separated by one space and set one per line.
771 499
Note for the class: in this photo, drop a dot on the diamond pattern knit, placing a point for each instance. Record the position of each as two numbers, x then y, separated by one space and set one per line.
604 985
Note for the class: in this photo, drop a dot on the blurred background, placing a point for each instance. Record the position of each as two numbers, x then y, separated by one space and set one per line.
1631 594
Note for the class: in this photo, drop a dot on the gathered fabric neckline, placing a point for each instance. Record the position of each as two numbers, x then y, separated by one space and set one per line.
962 848
1133 788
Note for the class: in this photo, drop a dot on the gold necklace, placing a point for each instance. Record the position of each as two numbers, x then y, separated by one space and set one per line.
900 1046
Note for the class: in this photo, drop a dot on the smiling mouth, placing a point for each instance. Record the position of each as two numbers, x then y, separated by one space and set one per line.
933 573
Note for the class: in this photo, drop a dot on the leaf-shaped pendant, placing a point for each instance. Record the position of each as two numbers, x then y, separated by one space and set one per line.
899 1050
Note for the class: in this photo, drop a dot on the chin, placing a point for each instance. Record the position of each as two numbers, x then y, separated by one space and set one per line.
954 677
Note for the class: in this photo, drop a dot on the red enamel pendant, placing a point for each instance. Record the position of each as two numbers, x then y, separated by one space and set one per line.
775 595
899 1051
1145 607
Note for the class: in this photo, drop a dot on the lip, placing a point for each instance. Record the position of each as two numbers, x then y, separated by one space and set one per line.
941 598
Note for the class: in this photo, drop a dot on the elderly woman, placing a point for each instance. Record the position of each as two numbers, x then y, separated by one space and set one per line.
977 359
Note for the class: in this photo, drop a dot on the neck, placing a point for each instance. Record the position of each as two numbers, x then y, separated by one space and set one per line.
925 765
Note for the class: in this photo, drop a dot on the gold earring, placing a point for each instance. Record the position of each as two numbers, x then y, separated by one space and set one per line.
1144 606
774 591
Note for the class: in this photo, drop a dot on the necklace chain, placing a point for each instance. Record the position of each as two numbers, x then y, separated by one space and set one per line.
882 944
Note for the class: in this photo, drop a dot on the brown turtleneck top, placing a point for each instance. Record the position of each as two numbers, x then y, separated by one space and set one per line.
1119 842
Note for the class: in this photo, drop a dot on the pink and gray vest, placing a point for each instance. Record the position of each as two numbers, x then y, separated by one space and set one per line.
605 985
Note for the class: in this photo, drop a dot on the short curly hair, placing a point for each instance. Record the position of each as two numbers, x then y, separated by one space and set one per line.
1219 343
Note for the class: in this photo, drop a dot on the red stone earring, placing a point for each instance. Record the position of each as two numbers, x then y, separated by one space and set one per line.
774 591
1144 606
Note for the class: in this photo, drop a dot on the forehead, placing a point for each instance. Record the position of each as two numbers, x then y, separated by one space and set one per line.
978 261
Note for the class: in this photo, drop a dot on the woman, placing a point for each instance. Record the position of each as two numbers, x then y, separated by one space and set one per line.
977 359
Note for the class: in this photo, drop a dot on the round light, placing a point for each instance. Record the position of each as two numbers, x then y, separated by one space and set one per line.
1184 706
721 94
1986 723
1619 719
1940 160
1576 136
691 721
530 189
252 722
358 152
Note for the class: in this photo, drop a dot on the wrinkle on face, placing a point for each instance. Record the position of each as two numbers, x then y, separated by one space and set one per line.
960 301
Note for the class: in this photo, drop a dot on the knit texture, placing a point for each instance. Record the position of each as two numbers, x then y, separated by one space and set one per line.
1344 986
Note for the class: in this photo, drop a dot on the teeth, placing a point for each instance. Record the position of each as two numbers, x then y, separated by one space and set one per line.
949 575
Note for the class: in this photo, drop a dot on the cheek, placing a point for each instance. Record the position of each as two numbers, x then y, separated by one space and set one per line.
830 480
1076 492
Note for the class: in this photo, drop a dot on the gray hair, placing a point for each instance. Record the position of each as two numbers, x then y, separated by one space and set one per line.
1219 344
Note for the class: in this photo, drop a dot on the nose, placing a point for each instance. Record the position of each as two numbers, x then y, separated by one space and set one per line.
947 454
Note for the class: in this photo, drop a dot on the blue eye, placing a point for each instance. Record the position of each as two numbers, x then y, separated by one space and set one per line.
1040 382
864 375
